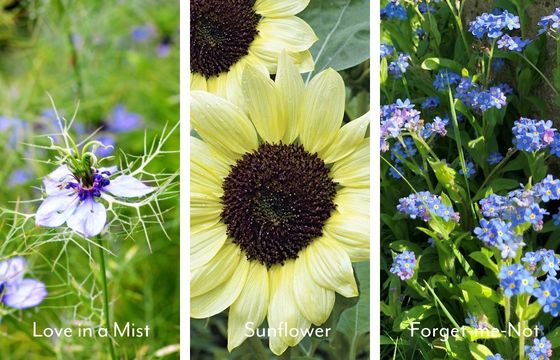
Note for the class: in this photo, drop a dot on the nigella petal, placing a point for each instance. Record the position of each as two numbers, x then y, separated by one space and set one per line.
55 210
27 293
127 186
12 269
53 180
89 218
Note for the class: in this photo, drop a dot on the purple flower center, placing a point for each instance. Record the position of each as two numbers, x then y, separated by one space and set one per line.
100 180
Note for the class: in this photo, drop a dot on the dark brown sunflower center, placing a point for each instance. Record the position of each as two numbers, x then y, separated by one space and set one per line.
276 201
221 32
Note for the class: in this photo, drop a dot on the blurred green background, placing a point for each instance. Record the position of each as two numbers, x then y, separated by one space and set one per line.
109 55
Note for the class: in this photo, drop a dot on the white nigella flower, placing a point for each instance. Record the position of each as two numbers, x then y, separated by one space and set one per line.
74 199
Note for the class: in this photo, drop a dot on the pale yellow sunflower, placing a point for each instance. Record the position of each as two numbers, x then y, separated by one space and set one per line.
279 203
228 34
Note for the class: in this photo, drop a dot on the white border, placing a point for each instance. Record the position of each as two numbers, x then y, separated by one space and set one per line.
375 184
184 308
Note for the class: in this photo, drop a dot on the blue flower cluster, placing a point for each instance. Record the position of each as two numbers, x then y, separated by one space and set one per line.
424 204
396 118
515 280
532 135
476 322
397 68
540 350
424 8
516 208
386 50
437 127
542 260
404 264
478 99
550 22
493 25
393 10
548 295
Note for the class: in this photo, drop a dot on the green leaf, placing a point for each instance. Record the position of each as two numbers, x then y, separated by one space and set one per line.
479 351
342 27
438 63
354 321
554 337
477 289
484 258
415 314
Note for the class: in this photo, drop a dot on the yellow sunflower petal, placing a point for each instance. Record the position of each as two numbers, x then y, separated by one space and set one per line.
304 61
275 35
219 268
353 170
217 85
277 346
203 155
275 8
205 208
283 310
322 110
249 310
222 125
330 266
218 299
352 232
353 201
314 301
262 103
290 87
198 82
347 140
205 242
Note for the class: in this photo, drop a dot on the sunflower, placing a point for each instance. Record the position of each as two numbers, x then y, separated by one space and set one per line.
228 34
279 203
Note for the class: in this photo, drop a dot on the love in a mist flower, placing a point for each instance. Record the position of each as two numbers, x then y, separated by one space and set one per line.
227 35
279 203
73 194
15 291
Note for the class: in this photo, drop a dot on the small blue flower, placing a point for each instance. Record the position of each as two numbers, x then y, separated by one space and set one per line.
514 43
386 50
470 169
20 176
121 120
445 78
515 279
398 67
494 158
16 291
109 142
393 10
550 22
532 135
494 357
431 102
540 350
143 33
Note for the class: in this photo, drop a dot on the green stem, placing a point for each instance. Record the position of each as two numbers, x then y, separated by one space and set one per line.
540 72
489 66
459 22
105 296
507 310
76 63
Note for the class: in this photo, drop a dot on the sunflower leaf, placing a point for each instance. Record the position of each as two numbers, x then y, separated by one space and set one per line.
354 321
342 27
